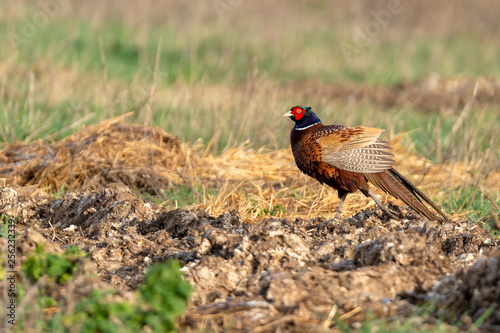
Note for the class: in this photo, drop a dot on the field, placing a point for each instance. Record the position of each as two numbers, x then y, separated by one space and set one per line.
141 134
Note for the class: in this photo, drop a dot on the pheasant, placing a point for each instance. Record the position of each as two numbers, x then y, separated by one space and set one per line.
347 158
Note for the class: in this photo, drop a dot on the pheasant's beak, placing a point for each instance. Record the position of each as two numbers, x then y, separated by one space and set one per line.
288 114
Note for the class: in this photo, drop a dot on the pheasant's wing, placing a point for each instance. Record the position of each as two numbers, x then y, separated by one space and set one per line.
356 149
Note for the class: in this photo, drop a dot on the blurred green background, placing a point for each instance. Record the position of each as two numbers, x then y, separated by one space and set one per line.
225 71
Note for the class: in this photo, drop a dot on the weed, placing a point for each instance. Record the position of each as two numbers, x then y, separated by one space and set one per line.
161 299
158 303
60 193
59 268
164 295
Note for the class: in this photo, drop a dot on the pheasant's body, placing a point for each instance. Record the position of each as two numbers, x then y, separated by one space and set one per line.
347 158
308 154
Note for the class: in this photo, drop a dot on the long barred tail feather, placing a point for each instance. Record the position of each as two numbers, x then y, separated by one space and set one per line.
392 182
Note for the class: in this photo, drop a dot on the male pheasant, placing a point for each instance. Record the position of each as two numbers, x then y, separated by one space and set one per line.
347 158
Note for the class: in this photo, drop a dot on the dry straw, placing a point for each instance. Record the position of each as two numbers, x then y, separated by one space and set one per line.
112 151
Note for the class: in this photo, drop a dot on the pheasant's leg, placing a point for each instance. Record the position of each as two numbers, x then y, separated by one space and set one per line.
379 204
342 197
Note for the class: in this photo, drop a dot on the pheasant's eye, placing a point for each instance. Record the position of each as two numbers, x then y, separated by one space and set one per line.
297 110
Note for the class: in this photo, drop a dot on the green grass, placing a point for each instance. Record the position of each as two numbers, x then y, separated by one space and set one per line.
181 195
422 319
213 55
473 200
433 133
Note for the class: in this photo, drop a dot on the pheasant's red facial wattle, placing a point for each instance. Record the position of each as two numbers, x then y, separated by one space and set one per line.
298 113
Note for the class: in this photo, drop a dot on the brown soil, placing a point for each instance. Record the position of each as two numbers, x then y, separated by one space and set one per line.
276 275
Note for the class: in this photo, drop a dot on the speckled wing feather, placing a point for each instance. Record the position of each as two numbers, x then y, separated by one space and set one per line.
355 149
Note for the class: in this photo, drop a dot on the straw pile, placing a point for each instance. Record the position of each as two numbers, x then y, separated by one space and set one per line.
255 183
112 151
